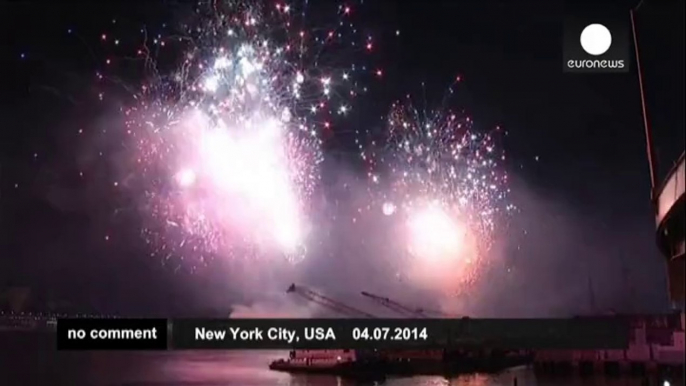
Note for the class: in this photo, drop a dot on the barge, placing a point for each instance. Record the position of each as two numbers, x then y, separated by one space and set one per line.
380 363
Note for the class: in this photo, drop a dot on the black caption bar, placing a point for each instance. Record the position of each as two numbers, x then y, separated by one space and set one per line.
522 334
112 334
151 334
400 333
307 334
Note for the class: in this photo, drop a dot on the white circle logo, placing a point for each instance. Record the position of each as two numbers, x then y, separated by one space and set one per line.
596 39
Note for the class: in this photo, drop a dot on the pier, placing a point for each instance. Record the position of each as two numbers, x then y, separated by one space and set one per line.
656 347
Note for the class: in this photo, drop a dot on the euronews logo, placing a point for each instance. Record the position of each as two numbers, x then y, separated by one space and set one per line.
596 44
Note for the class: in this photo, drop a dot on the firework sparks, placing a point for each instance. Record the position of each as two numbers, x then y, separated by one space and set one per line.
434 234
443 179
227 146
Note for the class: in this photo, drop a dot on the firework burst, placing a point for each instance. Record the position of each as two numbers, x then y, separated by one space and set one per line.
225 148
443 179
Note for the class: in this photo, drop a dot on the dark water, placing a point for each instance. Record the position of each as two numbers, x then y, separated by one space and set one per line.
26 361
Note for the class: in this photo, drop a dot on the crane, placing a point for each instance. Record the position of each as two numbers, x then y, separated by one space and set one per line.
405 310
440 314
325 301
394 306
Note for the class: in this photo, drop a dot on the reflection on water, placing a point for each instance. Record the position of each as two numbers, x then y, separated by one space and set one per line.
28 364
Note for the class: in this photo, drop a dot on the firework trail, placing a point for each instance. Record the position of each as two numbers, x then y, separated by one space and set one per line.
442 179
224 150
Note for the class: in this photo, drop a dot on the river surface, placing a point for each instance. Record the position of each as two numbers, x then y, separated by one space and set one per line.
28 361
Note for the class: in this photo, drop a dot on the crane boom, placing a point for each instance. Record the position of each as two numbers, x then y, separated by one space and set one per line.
393 305
326 301
438 314
403 309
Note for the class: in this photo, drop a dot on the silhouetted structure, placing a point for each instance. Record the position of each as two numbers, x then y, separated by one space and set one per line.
668 198
670 218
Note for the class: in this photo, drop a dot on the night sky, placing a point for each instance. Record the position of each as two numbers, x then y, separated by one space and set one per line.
583 240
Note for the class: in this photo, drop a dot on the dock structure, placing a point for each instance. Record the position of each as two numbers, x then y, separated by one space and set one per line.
657 346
